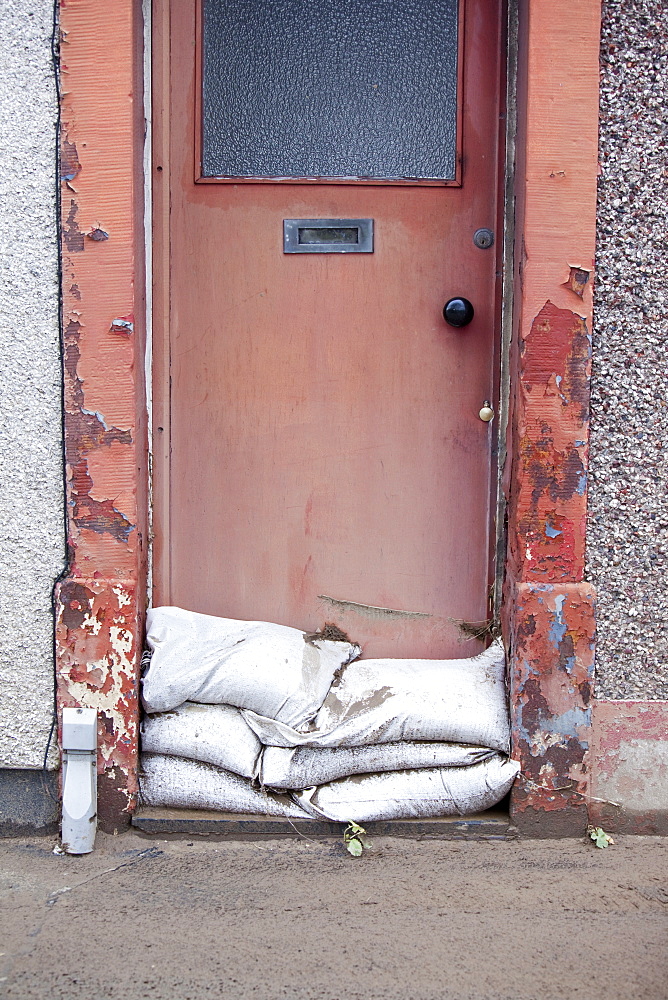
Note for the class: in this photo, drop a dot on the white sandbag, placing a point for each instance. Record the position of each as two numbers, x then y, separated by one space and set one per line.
385 701
280 767
445 791
176 783
274 670
213 734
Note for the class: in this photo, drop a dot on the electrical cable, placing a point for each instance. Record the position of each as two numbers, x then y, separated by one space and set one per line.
55 63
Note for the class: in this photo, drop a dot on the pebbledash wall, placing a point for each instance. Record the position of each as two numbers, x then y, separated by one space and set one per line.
627 537
627 534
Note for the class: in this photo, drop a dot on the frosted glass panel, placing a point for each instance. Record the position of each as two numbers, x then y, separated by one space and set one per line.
330 88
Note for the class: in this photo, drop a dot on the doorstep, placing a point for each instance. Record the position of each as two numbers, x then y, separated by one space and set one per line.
493 824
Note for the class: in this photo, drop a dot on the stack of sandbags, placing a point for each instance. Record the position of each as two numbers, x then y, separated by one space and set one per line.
198 751
373 739
396 739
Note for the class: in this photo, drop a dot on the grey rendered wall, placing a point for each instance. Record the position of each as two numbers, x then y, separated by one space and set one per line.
628 527
31 501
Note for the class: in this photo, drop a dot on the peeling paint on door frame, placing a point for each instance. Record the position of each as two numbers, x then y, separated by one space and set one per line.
99 603
548 609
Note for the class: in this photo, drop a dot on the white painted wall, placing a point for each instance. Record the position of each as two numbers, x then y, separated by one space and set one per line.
31 495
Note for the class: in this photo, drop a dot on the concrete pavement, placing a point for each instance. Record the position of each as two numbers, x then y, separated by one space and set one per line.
298 918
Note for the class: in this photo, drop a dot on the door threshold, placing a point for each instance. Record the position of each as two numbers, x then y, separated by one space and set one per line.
491 825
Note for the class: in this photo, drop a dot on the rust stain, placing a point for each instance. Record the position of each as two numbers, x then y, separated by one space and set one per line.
577 280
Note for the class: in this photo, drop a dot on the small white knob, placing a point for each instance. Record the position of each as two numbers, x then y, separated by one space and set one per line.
486 412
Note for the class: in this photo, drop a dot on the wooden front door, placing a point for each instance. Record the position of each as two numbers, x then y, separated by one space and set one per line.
319 454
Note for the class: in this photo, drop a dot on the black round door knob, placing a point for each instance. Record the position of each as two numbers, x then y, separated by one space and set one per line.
458 312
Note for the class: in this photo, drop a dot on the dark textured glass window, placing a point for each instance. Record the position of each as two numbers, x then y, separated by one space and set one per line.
330 88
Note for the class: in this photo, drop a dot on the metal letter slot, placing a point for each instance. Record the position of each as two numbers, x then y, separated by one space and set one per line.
328 235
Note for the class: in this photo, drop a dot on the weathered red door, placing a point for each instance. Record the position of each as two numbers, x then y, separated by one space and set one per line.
319 453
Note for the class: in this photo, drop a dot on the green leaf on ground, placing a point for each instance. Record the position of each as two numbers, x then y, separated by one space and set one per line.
599 836
354 838
354 847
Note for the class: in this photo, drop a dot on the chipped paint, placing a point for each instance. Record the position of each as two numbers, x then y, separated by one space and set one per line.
72 235
69 161
96 630
99 602
551 683
577 280
124 325
549 613
86 430
97 515
548 507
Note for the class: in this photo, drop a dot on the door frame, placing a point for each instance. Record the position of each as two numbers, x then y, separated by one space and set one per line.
546 608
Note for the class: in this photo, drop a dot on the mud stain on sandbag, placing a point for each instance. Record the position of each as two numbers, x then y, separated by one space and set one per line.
310 669
356 779
373 700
